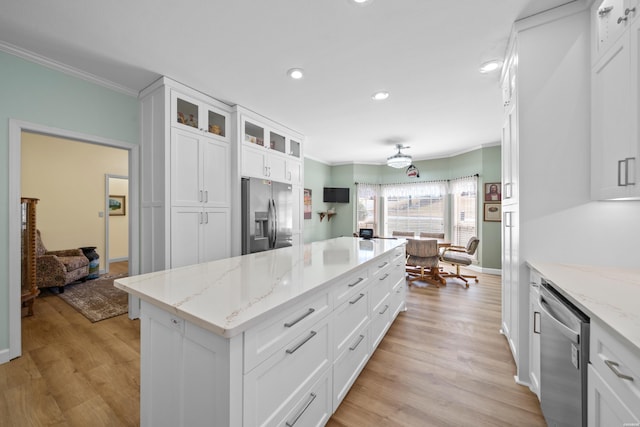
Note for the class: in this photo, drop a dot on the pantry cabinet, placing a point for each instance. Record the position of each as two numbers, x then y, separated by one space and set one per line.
615 144
534 332
185 176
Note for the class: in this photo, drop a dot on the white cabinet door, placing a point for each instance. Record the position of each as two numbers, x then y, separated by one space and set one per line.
186 169
254 162
199 170
604 407
199 235
277 167
611 124
294 171
215 235
186 236
215 173
510 157
534 333
510 279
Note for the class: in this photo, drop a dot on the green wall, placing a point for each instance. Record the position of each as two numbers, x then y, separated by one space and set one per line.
40 95
486 162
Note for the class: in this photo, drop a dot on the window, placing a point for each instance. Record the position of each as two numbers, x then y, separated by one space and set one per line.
367 213
464 197
418 207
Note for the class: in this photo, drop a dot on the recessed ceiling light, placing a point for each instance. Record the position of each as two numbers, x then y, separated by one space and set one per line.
490 66
361 2
380 96
296 73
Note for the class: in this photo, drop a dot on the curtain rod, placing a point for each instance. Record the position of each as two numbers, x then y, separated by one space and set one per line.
438 180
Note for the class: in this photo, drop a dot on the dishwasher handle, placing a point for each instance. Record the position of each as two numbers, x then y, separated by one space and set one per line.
574 336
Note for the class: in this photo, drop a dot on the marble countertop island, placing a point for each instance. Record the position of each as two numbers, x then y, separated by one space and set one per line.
230 295
611 295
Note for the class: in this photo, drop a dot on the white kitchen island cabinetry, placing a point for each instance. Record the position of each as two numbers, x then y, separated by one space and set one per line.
271 338
185 170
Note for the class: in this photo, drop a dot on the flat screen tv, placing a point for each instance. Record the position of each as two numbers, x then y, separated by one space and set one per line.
335 195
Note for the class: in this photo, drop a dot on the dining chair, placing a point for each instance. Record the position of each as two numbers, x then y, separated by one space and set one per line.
432 235
403 234
460 256
422 262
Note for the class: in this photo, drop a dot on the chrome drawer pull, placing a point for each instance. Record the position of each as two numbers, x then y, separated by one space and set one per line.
353 347
385 263
357 299
301 343
384 277
614 367
386 307
312 397
290 324
360 279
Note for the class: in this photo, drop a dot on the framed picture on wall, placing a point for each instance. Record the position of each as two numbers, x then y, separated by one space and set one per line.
307 203
117 205
492 192
493 212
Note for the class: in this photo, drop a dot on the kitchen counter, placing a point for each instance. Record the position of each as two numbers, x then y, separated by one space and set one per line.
231 295
612 295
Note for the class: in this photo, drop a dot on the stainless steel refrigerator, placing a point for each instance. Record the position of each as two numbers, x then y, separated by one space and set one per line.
267 215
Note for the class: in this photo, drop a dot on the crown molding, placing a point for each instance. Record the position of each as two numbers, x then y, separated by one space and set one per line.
66 69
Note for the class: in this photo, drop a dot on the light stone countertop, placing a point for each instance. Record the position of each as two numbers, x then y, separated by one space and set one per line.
611 295
230 295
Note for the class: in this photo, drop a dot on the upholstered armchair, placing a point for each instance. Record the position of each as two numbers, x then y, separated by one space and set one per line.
460 256
422 261
59 268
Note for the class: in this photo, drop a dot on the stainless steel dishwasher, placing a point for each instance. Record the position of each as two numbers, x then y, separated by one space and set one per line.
564 355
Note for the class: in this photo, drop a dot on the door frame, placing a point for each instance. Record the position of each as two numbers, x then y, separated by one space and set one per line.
107 220
16 127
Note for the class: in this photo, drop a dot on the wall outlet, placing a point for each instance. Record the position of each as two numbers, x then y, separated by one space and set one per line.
101 214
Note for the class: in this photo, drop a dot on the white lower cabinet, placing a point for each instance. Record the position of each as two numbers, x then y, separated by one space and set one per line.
614 373
292 368
199 235
534 333
272 388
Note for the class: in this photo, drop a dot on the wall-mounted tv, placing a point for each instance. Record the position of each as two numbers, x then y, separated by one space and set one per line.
335 195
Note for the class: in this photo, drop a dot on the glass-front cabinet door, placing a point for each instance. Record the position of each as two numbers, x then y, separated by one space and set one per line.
253 133
294 148
191 114
277 142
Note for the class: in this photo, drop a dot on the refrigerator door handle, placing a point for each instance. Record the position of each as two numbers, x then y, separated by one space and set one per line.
275 223
270 223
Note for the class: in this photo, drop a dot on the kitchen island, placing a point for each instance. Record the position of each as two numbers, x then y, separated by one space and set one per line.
271 338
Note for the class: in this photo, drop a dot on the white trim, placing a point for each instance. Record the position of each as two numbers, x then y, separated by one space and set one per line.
66 69
483 270
16 127
570 8
107 191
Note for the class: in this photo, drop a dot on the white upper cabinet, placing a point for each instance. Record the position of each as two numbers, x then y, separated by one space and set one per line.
269 152
193 115
615 144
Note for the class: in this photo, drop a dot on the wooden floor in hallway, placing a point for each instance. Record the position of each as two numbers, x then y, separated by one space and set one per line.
442 363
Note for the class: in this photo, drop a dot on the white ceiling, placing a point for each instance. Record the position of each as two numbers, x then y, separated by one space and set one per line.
425 53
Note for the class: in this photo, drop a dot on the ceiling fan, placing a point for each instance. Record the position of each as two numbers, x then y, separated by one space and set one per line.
399 160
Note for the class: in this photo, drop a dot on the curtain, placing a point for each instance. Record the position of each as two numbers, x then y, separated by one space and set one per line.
464 196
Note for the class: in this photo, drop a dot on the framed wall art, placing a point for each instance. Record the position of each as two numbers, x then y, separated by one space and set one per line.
117 205
492 192
493 212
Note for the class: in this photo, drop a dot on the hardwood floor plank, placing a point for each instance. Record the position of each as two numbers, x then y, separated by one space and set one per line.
442 363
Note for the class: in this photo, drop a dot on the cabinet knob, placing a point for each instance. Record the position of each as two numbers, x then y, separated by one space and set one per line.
604 11
622 19
627 11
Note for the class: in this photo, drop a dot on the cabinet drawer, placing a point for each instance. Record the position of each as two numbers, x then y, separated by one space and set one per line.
348 365
618 366
398 294
380 266
604 407
262 341
349 318
314 406
380 287
350 286
380 321
274 385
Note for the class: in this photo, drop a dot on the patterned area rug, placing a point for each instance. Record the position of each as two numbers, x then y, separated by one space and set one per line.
97 299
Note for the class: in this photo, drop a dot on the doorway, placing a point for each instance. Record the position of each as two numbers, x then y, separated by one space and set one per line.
116 228
17 131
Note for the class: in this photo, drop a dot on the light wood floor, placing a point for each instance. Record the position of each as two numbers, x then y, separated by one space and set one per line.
442 363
